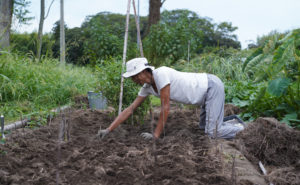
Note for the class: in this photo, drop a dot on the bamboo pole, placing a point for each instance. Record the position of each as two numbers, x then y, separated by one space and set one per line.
2 126
124 56
138 30
62 34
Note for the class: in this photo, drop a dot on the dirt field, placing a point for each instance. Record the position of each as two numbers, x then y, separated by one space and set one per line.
183 155
275 145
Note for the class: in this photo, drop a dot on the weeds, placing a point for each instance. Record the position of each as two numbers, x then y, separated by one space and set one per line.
27 87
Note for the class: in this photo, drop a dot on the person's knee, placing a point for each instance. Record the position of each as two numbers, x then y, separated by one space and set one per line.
211 133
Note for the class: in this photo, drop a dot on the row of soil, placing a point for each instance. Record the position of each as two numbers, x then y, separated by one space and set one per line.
66 151
180 157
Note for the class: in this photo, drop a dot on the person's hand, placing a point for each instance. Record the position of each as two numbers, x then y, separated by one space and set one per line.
147 135
102 133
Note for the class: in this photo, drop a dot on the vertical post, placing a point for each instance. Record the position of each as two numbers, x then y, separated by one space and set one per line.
138 30
189 51
124 56
62 34
138 16
2 126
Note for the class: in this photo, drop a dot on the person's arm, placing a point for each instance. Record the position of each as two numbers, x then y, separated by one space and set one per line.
164 111
126 113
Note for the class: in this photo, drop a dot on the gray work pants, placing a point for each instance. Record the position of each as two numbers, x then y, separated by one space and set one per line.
212 111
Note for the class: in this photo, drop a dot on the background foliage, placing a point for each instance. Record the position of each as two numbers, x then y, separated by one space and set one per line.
277 65
183 30
262 80
109 72
101 37
27 87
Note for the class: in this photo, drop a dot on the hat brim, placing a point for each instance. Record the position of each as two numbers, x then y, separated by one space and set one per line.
132 73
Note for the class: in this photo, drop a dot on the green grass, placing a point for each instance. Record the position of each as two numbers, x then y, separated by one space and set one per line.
155 101
28 87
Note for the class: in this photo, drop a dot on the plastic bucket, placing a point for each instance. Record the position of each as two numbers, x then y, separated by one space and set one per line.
97 100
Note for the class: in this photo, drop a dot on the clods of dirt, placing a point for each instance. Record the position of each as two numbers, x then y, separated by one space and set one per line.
230 109
69 153
81 102
274 144
66 151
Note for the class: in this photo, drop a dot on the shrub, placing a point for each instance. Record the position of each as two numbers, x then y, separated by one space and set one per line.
109 72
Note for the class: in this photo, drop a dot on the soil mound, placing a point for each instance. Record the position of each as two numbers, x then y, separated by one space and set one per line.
81 102
271 142
230 109
275 145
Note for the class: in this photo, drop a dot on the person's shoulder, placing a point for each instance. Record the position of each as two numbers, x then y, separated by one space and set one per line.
163 69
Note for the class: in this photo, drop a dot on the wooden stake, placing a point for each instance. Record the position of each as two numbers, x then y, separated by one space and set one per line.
163 117
2 126
154 140
233 173
138 30
124 56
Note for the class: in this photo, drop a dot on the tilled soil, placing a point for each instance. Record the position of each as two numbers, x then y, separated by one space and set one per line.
181 156
276 145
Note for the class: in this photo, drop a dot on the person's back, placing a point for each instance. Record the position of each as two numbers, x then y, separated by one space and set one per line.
187 88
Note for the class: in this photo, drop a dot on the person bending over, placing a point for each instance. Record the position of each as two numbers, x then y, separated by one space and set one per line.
202 89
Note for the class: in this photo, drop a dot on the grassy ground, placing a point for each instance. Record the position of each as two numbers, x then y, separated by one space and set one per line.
28 88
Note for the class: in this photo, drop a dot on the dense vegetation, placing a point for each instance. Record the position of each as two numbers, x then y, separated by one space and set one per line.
109 72
263 80
28 88
276 64
101 37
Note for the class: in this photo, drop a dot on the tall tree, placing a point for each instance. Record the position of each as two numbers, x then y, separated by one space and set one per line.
6 10
41 25
154 12
40 33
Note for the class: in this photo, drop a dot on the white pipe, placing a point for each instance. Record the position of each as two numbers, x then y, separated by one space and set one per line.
22 123
16 125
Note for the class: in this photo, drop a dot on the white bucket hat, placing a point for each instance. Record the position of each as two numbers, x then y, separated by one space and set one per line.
136 66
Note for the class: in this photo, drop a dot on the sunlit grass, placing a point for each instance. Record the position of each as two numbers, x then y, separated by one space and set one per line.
27 86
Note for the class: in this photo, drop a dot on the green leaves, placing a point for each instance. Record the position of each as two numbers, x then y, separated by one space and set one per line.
256 53
35 87
277 64
180 31
240 103
291 120
278 86
4 77
109 73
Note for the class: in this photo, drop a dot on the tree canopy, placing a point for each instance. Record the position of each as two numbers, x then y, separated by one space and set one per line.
101 37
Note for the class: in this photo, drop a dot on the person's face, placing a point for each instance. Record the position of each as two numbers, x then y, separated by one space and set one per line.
137 79
140 78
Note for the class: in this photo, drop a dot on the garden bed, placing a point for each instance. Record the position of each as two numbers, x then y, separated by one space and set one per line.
183 155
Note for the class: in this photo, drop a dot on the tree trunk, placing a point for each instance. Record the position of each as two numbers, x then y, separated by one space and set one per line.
154 12
6 8
62 34
40 33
